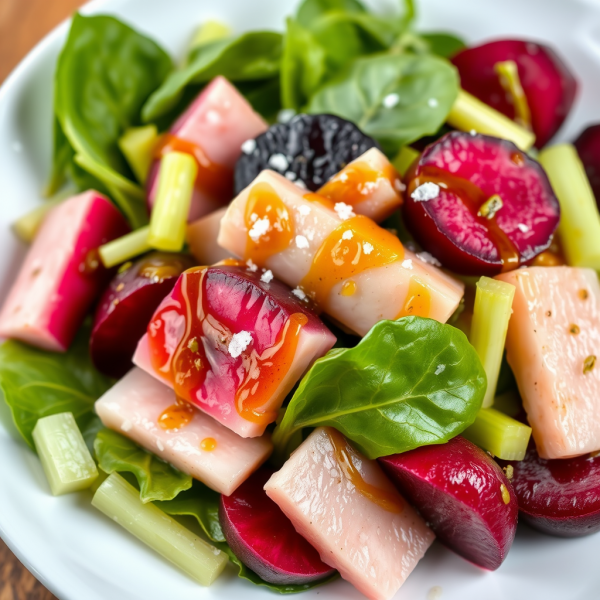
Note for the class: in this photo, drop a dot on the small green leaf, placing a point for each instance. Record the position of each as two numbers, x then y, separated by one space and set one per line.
443 44
408 383
156 479
310 11
396 99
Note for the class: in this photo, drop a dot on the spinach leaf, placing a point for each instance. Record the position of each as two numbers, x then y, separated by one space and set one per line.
62 155
202 504
408 383
37 384
249 57
443 44
396 99
264 96
157 480
312 10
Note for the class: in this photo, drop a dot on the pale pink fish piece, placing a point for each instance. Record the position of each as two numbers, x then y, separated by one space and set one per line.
202 238
133 407
61 275
219 120
373 548
381 293
553 331
370 184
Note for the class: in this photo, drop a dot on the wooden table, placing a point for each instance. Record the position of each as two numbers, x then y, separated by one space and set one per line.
22 24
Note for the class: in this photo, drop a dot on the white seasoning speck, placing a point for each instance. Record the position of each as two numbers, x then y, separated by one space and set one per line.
301 242
160 446
473 132
279 162
344 211
426 191
300 184
523 228
251 266
267 277
239 342
440 369
368 248
249 146
291 176
347 235
429 259
391 100
432 102
304 210
299 294
286 115
407 264
259 228
126 426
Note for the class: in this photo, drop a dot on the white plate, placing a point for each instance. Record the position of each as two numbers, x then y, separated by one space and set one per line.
73 549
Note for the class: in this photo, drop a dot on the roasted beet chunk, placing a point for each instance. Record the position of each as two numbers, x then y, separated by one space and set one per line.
309 149
548 85
588 148
479 204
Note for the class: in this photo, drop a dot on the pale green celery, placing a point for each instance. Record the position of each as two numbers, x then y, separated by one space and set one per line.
499 434
66 459
121 502
27 226
137 145
168 221
493 307
579 226
125 248
470 114
211 31
404 159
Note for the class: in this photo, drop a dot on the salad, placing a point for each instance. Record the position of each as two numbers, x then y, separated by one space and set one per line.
330 292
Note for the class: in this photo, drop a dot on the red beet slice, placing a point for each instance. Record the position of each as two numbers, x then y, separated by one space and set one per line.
559 497
588 148
264 539
460 226
548 84
127 306
463 495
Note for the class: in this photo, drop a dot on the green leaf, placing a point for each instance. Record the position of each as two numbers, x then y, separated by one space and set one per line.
312 10
156 479
442 44
423 89
37 384
62 154
264 96
249 57
202 504
408 383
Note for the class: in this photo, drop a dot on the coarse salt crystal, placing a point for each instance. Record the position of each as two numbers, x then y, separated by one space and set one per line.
249 146
126 426
300 184
267 277
279 162
391 100
429 259
286 115
239 342
368 248
291 176
407 264
160 445
344 211
426 191
251 266
301 242
304 210
347 235
259 228
299 294
522 227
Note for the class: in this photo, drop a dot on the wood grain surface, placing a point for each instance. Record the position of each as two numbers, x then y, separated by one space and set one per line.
22 24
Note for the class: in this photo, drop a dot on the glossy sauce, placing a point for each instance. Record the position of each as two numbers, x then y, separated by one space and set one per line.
216 180
320 199
473 199
344 454
264 203
418 300
208 444
158 269
349 288
176 416
339 259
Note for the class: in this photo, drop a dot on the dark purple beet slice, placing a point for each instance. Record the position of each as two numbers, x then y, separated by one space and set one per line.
558 497
456 227
588 148
264 539
127 306
548 84
463 495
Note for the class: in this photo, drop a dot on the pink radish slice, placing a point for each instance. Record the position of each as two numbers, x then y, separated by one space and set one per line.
62 274
588 148
127 306
548 83
233 341
264 539
463 495
463 224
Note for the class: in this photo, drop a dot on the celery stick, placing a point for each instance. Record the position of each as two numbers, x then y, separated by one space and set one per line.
493 306
121 502
67 462
579 227
27 226
137 144
404 159
497 433
211 31
168 221
470 114
125 248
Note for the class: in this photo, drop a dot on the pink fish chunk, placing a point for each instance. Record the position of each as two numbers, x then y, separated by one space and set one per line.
201 448
202 238
345 506
62 274
553 348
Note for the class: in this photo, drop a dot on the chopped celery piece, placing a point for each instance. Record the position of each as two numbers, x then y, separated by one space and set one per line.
511 83
67 462
168 221
138 144
499 434
125 248
404 159
27 226
211 31
493 307
579 227
121 502
470 114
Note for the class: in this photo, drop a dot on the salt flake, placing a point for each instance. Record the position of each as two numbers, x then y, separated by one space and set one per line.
239 342
249 146
304 210
267 277
259 228
522 227
368 248
299 294
347 235
429 259
251 266
301 242
426 191
279 162
407 264
344 211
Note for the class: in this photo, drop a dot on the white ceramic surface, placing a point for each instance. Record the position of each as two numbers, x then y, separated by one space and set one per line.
72 548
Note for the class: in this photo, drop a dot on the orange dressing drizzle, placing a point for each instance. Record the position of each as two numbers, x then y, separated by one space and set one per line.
208 444
339 259
176 416
357 182
349 288
418 300
344 454
158 269
548 259
473 199
231 262
264 203
216 180
320 199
